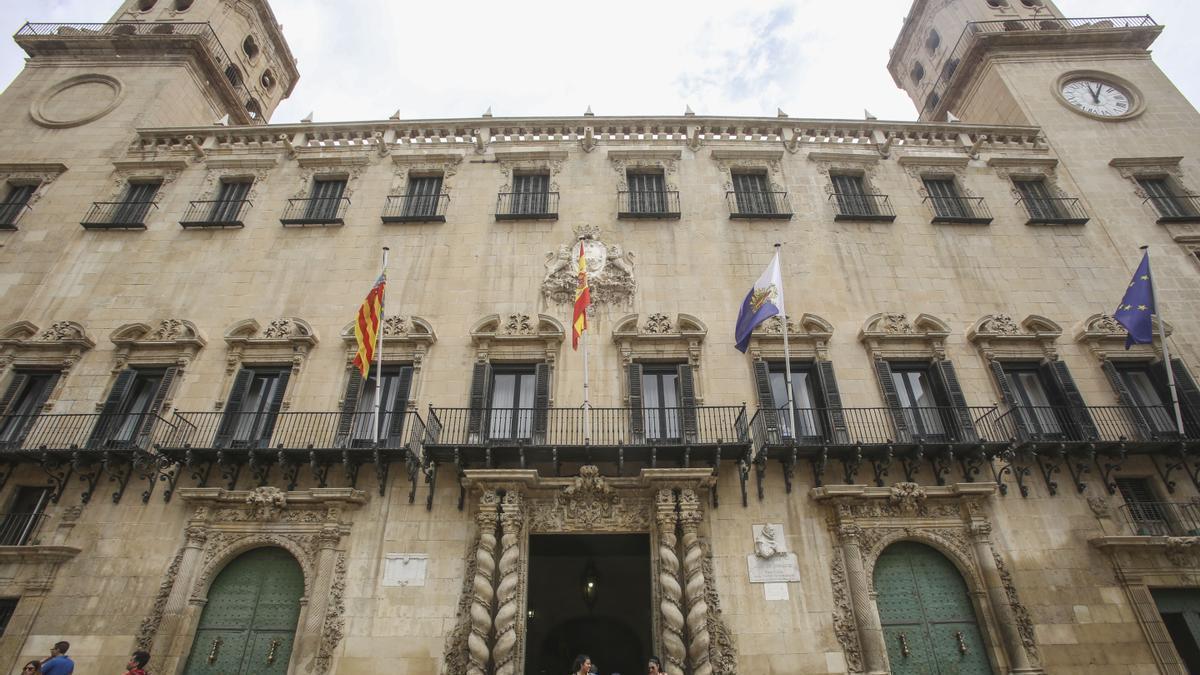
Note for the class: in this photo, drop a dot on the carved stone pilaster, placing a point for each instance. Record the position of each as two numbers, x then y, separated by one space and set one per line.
998 596
668 580
483 598
870 630
690 516
507 591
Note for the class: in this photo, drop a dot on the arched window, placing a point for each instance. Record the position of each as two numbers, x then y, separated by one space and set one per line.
933 41
267 80
254 109
183 5
997 3
145 5
234 75
250 47
918 73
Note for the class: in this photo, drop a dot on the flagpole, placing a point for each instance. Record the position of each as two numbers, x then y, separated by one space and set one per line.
379 351
1162 332
787 353
587 407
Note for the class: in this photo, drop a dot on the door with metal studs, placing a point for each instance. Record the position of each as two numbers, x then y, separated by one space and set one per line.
250 618
928 619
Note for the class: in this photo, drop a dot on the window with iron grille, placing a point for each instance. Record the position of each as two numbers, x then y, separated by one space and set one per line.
753 192
647 192
24 514
7 607
422 195
1038 199
14 203
22 402
1167 199
1145 509
230 197
135 203
325 198
531 193
852 195
947 202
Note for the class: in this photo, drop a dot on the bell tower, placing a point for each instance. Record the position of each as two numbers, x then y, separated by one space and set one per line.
156 63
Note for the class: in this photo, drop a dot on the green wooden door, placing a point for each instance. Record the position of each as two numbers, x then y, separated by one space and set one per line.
927 616
250 619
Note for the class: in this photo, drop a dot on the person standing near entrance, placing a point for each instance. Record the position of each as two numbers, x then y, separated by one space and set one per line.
59 663
655 666
583 665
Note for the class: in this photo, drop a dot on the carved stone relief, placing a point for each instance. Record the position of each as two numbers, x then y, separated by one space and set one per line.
444 165
59 346
283 341
624 165
41 175
610 270
349 169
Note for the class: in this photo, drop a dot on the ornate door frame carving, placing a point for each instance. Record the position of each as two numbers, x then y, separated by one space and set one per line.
227 523
512 504
866 520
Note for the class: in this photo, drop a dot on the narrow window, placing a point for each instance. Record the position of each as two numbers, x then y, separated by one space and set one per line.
233 75
231 197
134 203
531 194
1166 199
23 400
852 197
933 41
14 204
325 199
21 522
1144 389
1033 400
947 203
753 192
512 402
393 400
918 73
252 408
1036 196
1147 514
647 192
805 396
919 400
7 607
660 401
423 196
132 407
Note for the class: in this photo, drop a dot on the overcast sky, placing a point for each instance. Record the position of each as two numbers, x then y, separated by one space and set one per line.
364 59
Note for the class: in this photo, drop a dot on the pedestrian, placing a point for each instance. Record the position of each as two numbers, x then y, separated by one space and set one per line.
32 668
583 665
655 666
58 663
137 663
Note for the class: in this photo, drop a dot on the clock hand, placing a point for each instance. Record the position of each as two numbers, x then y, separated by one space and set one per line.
1095 94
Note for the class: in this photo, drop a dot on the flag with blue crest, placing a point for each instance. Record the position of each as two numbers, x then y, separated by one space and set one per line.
1137 306
764 301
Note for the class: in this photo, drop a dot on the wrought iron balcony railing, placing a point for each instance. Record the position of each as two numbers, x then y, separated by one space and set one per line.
1109 424
315 211
416 208
970 210
859 206
1162 519
609 427
651 204
117 215
880 426
11 212
215 213
71 432
286 431
1054 211
759 205
134 33
1176 208
976 32
20 529
527 206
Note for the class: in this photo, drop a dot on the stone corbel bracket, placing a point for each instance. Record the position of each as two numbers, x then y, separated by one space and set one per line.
517 336
283 341
997 336
1105 338
808 338
59 346
893 336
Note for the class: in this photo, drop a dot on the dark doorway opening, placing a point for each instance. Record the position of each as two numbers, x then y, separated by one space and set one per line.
610 622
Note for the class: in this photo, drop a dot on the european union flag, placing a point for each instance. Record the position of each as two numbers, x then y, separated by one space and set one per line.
1136 307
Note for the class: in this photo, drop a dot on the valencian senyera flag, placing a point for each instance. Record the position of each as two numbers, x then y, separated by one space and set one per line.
366 326
583 299
764 301
1136 307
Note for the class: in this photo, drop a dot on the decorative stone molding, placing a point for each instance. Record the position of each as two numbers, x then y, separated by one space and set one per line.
1133 168
430 164
663 339
866 520
406 339
860 164
162 171
623 161
998 337
349 168
100 101
254 170
516 337
282 341
610 270
920 167
1028 168
59 347
731 161
172 342
524 162
808 338
31 173
224 524
894 336
1105 338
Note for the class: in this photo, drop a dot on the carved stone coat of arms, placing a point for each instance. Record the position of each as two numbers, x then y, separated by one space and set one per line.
609 268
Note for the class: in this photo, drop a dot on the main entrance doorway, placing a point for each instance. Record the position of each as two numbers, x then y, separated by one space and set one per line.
588 594
250 618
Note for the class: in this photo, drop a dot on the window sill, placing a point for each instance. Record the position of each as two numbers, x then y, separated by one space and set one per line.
305 222
113 226
1057 221
211 224
760 216
960 220
526 216
866 217
648 215
413 219
1167 220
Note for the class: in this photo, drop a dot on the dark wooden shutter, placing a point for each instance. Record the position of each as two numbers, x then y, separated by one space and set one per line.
637 420
541 402
687 401
831 395
15 386
481 377
233 407
1133 412
1077 410
400 406
1189 395
272 413
1020 426
111 412
766 401
152 413
892 398
354 387
959 419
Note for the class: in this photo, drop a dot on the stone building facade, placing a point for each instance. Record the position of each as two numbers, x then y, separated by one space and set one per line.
978 476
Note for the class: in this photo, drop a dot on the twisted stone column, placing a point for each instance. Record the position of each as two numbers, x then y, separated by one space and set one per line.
177 601
511 518
866 614
1014 645
690 516
668 581
478 642
318 594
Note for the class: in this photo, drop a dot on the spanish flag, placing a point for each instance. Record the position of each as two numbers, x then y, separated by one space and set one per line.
366 326
583 299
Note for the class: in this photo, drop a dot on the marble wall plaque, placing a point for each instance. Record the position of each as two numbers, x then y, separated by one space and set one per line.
405 569
776 569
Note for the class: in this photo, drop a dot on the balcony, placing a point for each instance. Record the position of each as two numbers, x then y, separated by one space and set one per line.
117 215
648 204
1176 209
1161 519
758 205
20 529
11 212
215 214
416 208
979 36
858 206
963 210
1054 211
527 206
318 211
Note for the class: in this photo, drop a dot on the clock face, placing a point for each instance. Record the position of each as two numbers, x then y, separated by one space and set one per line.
1098 97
